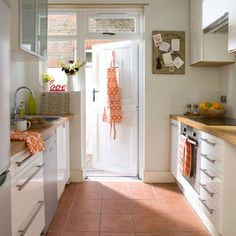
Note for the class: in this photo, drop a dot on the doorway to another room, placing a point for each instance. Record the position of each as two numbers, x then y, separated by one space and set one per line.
112 148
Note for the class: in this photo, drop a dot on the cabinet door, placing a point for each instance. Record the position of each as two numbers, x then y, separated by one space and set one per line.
27 25
232 26
174 147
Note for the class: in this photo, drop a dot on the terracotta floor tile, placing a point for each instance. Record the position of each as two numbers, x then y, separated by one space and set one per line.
83 222
183 222
141 191
170 191
59 221
54 234
155 234
149 223
90 185
117 234
116 223
116 206
175 206
81 234
115 194
190 234
146 206
86 206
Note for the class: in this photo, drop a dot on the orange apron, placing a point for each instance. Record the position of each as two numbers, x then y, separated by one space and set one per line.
112 111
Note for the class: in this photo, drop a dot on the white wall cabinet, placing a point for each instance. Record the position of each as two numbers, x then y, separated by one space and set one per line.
29 29
232 26
28 217
175 129
206 49
63 157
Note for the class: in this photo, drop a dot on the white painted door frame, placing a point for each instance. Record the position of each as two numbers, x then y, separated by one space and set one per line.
81 51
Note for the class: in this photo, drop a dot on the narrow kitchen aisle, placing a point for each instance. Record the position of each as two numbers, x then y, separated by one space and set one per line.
124 209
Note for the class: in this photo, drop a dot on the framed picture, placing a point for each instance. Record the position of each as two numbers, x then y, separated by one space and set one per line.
168 52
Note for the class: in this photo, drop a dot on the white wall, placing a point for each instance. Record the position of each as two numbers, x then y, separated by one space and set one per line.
164 91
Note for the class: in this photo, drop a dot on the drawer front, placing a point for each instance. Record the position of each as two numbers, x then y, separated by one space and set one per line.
211 178
212 213
216 166
212 196
20 161
27 191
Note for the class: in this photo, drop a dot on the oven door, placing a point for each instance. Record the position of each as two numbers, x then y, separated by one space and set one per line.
194 178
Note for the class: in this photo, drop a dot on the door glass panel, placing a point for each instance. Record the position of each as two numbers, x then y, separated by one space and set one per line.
112 24
63 24
28 25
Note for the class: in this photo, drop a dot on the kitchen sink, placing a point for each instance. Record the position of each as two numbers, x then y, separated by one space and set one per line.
48 119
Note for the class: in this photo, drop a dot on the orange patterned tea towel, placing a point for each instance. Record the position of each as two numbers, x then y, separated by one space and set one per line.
34 140
112 111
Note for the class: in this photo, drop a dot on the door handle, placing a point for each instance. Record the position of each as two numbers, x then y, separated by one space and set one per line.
94 94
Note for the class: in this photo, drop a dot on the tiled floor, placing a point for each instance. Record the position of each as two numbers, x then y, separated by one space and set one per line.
124 209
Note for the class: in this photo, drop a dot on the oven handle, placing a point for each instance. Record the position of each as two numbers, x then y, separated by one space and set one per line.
191 141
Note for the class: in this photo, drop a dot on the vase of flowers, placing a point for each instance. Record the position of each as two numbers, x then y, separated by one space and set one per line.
46 79
71 70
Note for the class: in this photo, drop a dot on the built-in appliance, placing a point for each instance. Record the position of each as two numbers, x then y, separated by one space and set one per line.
193 137
5 189
50 179
224 121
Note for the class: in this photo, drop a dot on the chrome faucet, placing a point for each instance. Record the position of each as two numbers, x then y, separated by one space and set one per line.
14 109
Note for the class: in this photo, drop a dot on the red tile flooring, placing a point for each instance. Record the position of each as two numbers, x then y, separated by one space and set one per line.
124 209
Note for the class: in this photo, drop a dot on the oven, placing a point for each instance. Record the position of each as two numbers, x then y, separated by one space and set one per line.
193 137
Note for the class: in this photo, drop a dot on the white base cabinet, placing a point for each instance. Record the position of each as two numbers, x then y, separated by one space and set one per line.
27 191
63 157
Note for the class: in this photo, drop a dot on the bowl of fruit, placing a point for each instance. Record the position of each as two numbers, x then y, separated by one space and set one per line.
211 109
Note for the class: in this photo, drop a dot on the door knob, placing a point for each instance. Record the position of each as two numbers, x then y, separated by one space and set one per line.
94 94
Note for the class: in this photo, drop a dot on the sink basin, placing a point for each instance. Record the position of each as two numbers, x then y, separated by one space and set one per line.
48 119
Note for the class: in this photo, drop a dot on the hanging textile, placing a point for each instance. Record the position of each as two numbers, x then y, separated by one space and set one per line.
112 111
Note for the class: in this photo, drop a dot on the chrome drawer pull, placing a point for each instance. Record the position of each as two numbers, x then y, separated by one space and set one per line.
22 186
23 231
20 163
212 177
205 188
209 142
205 205
207 158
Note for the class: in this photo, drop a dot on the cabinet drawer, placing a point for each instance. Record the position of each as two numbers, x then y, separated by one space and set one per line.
27 191
211 178
213 164
20 161
212 196
212 213
212 146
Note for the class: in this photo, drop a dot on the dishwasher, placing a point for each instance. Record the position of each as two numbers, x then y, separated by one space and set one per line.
50 179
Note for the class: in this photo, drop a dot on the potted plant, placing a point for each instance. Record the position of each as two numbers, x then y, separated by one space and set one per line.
46 79
71 69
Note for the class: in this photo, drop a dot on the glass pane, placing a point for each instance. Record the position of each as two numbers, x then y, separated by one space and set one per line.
61 51
108 24
62 24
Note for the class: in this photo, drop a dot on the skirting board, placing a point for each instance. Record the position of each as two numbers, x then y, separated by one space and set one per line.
158 177
76 176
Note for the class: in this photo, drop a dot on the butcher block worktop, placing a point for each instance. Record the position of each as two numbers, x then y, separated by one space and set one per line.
227 133
18 146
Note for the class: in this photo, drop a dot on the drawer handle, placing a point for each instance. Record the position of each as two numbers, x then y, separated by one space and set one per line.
22 186
23 231
212 177
208 158
205 205
209 142
208 191
20 163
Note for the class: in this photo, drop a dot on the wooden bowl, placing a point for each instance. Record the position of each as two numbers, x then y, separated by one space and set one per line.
212 112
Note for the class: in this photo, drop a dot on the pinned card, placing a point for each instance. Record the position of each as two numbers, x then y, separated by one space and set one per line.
167 59
175 45
178 62
157 40
165 47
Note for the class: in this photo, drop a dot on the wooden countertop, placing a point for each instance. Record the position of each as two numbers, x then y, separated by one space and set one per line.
18 146
227 133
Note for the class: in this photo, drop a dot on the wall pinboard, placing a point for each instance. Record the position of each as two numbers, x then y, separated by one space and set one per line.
168 52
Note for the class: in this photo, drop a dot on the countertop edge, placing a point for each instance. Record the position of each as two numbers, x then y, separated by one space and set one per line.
227 133
19 146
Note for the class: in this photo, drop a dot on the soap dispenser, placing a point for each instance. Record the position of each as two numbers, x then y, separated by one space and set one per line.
31 104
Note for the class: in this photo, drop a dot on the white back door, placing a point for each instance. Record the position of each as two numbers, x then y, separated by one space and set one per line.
119 155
